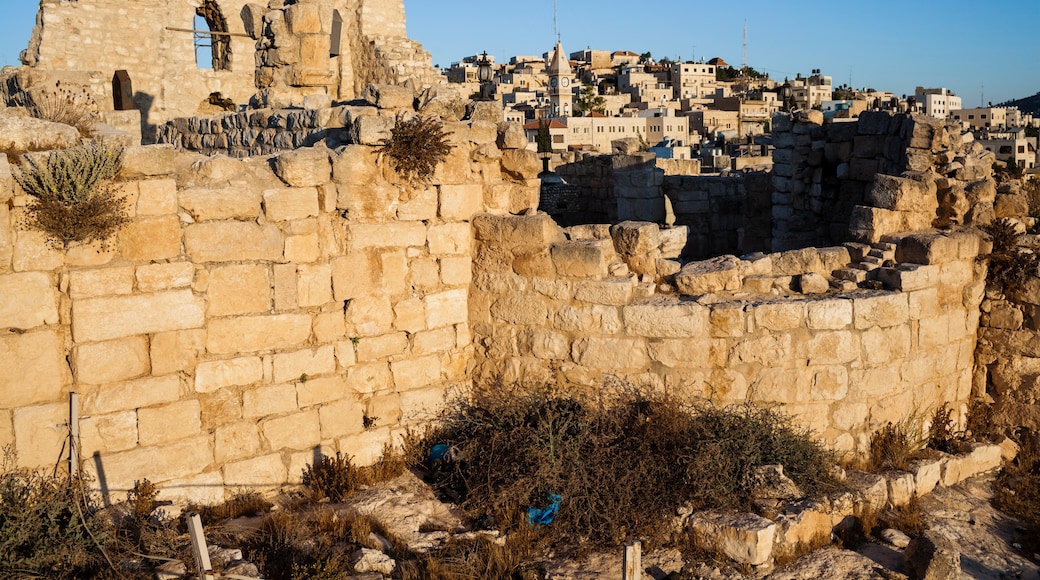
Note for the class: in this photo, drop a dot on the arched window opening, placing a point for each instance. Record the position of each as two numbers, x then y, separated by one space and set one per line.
212 42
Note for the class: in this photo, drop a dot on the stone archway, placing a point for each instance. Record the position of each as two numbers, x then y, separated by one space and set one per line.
220 43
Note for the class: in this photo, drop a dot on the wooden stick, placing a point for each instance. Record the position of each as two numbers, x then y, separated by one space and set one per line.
198 545
633 562
208 32
73 434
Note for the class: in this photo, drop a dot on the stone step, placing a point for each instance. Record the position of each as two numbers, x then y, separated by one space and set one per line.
855 275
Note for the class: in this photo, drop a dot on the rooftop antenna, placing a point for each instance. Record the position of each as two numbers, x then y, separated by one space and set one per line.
982 95
556 20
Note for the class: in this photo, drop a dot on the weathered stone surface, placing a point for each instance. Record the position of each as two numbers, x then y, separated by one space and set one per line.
212 376
521 163
20 132
232 242
158 277
112 361
257 333
744 538
610 353
291 204
511 136
931 557
389 96
100 319
634 238
169 423
220 204
664 320
307 167
29 300
715 275
238 289
34 368
151 238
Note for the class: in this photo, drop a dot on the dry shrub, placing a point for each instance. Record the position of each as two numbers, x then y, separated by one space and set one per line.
895 445
332 478
1009 264
481 557
73 200
48 527
941 434
1031 189
245 504
304 546
416 146
1017 488
67 106
622 467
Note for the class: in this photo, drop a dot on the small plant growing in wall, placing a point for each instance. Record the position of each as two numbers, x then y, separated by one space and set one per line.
73 199
415 148
67 106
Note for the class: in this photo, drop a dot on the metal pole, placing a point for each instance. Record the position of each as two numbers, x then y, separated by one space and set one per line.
198 545
73 434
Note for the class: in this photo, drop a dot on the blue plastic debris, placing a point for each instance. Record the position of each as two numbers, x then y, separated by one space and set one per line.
439 454
544 516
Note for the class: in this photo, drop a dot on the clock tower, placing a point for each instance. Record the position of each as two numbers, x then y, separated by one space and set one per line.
561 95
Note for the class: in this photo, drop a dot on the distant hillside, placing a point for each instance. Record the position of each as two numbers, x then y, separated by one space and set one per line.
1026 105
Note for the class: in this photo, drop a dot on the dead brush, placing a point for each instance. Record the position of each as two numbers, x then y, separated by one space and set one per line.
332 478
65 105
245 504
622 467
895 445
1017 488
1009 264
416 146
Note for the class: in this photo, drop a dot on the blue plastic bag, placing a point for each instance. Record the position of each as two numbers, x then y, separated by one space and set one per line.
544 516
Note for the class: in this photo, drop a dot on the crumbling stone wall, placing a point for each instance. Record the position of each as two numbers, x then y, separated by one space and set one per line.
109 35
546 309
253 312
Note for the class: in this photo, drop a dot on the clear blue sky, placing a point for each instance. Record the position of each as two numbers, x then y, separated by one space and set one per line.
895 46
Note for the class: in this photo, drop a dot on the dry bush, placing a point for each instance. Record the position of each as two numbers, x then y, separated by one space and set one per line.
895 445
1031 189
64 105
1009 264
481 557
72 198
332 478
416 146
941 434
622 467
1017 488
48 527
246 504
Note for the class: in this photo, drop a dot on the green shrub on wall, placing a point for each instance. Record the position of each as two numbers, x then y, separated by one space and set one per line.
73 200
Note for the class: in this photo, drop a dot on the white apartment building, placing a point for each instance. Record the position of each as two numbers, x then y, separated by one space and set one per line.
1012 145
810 92
691 80
938 103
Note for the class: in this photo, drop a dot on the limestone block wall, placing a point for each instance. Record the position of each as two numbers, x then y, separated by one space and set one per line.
725 214
253 312
109 35
545 309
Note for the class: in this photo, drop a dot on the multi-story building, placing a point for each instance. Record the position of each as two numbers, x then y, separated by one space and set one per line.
938 103
983 117
1011 144
693 80
810 92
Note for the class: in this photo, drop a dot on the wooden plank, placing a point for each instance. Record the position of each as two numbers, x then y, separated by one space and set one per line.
198 545
633 562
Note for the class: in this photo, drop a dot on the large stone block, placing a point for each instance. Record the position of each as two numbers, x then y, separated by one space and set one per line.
161 425
29 300
221 204
314 286
233 242
715 275
583 259
369 317
635 238
518 231
297 431
33 369
780 316
386 235
269 400
157 197
186 457
292 366
667 320
882 310
321 391
212 376
166 276
295 203
451 239
745 538
108 433
267 472
235 441
902 194
342 418
461 202
382 347
832 314
100 282
927 248
610 353
385 96
303 18
416 373
176 351
99 319
238 289
447 308
130 395
258 333
304 168
112 361
152 238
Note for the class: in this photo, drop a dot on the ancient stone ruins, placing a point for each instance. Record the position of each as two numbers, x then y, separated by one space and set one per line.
280 290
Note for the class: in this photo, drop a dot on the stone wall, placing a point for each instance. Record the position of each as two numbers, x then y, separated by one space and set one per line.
546 309
253 312
109 35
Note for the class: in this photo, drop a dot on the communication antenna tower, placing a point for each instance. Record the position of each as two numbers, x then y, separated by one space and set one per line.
556 19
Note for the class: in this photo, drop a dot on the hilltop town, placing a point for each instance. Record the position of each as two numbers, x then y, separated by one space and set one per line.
501 320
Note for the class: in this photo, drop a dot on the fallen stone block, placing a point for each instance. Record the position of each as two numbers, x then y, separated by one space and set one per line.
744 538
724 273
634 238
389 96
930 557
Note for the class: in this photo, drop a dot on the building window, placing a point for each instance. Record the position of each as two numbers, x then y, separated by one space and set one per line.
557 138
209 20
1021 149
